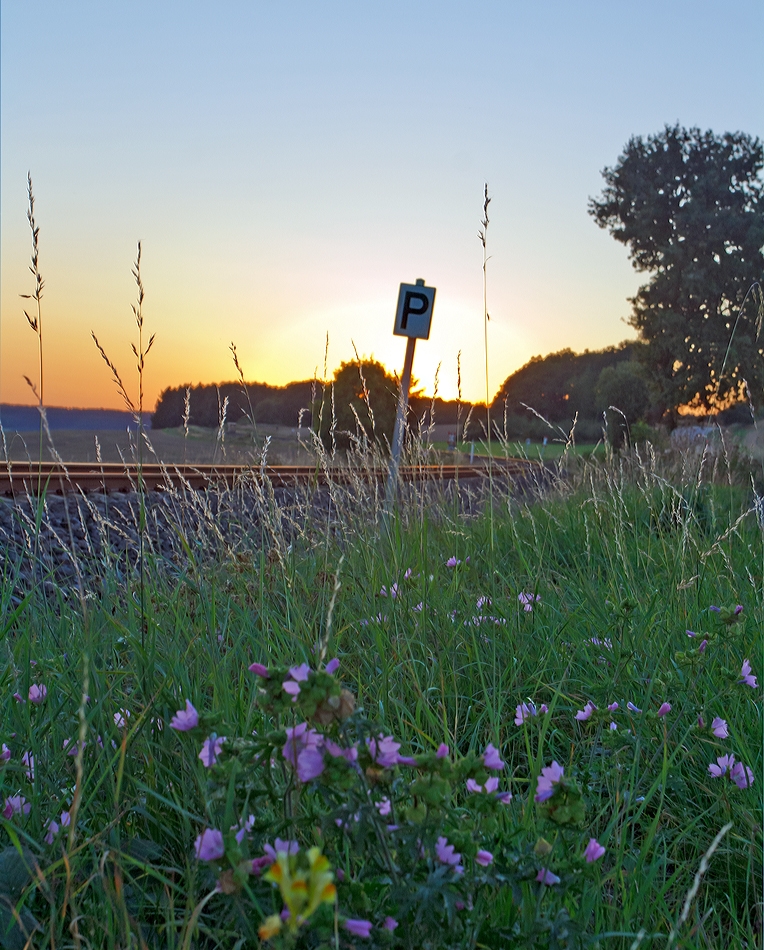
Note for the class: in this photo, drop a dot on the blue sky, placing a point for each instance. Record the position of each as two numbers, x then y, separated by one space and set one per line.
287 165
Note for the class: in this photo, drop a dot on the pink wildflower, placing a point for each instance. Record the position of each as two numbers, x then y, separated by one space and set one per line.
484 858
37 693
745 675
303 751
292 688
209 845
259 670
491 785
359 928
185 719
524 711
383 750
452 562
390 924
442 751
28 760
586 712
550 776
719 728
211 749
16 805
665 709
725 763
491 758
528 600
280 846
72 747
52 830
350 754
447 854
259 863
632 708
121 717
383 806
332 666
245 826
741 775
5 754
546 877
19 698
612 707
593 851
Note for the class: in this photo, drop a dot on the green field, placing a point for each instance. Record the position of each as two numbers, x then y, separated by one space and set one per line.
617 565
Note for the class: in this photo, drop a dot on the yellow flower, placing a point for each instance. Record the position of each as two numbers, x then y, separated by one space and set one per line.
302 888
269 927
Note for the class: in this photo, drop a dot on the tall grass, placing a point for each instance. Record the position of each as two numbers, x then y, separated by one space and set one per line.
625 559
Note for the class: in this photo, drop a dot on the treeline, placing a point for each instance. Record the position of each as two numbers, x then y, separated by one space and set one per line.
559 387
567 386
278 405
282 405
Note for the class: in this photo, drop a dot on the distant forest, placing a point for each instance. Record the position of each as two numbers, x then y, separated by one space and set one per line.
558 387
270 405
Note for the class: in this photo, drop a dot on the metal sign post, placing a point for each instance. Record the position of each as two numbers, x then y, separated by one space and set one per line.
413 318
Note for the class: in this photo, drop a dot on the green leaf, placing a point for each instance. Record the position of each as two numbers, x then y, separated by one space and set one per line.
16 870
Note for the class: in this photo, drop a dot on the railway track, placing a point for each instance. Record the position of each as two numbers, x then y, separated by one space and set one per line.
54 477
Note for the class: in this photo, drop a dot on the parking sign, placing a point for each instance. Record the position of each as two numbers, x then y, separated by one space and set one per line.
413 316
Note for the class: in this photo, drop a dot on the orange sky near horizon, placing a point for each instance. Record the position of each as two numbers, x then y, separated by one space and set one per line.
278 321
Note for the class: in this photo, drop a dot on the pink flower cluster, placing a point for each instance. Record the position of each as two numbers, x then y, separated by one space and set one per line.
303 751
528 600
52 828
297 675
447 854
740 774
16 805
545 785
525 711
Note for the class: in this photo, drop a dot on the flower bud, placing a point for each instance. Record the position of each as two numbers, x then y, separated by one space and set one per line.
542 848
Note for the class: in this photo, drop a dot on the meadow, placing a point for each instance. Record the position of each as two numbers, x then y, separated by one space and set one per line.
533 720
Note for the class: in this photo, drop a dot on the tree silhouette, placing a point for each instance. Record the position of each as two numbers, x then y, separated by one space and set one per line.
688 205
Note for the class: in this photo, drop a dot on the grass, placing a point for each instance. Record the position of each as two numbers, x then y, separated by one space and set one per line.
624 562
551 452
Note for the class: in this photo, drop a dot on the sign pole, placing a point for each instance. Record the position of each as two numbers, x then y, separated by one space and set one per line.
413 317
400 422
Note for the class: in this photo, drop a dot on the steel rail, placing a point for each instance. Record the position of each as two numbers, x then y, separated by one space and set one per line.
62 478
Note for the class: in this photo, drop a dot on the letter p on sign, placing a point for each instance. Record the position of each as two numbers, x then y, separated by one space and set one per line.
414 313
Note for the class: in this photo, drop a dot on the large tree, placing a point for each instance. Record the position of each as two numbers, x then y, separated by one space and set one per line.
688 205
360 404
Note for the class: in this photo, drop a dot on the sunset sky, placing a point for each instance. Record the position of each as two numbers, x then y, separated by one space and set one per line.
286 165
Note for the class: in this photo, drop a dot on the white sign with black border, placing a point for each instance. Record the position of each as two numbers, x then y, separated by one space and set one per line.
413 316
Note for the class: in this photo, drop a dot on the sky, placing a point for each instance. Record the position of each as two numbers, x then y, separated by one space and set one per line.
287 165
